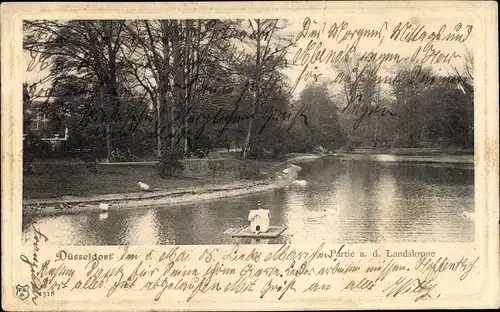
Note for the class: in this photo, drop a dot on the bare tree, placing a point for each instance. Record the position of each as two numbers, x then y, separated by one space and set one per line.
173 60
469 63
269 48
87 48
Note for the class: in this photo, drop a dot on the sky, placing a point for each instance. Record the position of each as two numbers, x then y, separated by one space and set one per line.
436 54
320 30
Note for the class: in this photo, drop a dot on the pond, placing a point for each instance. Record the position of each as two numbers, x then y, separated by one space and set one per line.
344 201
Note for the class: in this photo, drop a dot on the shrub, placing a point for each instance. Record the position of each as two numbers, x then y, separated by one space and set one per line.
28 166
118 155
348 148
169 164
260 153
279 154
89 156
200 154
36 147
352 144
249 171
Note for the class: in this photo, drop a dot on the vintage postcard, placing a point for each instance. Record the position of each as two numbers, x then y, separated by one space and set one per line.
250 156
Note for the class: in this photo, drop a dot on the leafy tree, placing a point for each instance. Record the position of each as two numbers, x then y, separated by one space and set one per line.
89 49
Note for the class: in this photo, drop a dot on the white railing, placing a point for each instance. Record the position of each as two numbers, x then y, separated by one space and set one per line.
54 139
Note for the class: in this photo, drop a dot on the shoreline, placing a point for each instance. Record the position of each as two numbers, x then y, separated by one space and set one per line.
73 205
438 159
276 179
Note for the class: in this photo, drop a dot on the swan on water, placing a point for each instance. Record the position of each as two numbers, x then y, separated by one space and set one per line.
103 206
286 170
299 182
468 215
144 187
103 216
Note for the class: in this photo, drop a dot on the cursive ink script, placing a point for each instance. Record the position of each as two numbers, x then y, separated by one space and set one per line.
407 285
36 283
356 107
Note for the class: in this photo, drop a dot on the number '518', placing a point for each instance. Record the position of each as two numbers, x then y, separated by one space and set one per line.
47 293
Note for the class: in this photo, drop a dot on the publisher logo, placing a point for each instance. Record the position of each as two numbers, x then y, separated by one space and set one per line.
22 292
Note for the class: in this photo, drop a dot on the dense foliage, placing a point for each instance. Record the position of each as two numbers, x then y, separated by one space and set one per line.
174 89
169 164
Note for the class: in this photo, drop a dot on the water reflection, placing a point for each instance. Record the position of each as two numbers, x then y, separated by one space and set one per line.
344 201
142 229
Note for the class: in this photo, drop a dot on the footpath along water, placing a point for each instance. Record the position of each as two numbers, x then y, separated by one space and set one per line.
344 200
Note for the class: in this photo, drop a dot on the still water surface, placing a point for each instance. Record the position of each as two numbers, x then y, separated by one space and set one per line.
344 201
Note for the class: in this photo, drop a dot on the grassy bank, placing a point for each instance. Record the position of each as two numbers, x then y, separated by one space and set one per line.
73 179
272 177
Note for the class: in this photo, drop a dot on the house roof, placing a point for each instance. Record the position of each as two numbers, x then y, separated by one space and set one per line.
262 213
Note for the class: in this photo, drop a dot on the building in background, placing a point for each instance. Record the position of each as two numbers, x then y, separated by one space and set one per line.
42 123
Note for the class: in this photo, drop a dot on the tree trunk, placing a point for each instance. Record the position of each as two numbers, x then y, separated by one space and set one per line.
378 116
186 80
105 106
158 130
110 94
246 145
178 88
255 101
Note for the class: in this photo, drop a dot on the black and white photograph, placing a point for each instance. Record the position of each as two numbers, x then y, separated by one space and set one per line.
253 156
248 131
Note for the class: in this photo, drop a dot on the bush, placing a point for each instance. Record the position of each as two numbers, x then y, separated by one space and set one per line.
120 156
260 153
200 154
28 166
35 146
353 143
249 171
319 150
348 148
89 156
279 154
169 164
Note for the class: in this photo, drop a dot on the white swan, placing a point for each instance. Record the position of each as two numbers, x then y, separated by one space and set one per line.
103 207
144 187
103 216
468 215
286 170
299 182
